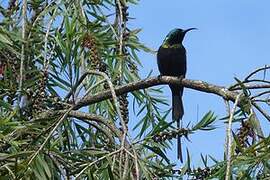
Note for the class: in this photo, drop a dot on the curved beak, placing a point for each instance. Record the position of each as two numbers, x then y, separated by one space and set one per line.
189 29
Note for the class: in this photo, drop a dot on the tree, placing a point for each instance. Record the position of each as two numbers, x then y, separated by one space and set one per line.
69 71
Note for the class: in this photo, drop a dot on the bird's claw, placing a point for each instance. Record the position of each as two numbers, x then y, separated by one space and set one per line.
181 77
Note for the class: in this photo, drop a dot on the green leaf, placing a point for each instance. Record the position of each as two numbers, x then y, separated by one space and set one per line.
157 151
110 172
204 160
186 168
5 39
145 170
162 125
5 105
206 122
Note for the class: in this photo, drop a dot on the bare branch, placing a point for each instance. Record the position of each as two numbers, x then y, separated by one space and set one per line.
24 23
96 118
259 84
46 60
154 81
254 86
247 79
229 136
261 111
94 162
260 94
120 25
257 70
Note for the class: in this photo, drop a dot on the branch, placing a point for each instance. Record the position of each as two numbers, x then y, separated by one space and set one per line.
229 136
263 84
266 67
98 119
253 86
247 79
24 22
261 111
94 162
154 81
58 122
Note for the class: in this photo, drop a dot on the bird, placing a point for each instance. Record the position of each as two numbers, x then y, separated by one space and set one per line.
171 60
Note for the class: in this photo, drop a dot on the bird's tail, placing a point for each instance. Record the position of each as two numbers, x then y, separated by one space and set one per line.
177 107
177 114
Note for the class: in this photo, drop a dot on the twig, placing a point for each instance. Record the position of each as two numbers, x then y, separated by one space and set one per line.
76 85
43 11
126 166
93 117
260 94
257 70
136 164
94 162
129 153
113 94
258 80
121 30
256 123
227 104
24 19
113 162
46 62
92 87
229 137
246 80
58 164
49 136
107 21
252 86
120 26
9 170
262 101
261 111
237 86
95 125
117 106
119 114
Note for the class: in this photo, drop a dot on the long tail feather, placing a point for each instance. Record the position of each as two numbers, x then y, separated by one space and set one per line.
179 148
177 114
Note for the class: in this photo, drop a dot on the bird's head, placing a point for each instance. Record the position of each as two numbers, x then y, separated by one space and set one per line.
176 36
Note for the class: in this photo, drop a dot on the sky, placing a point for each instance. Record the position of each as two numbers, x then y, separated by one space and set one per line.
232 39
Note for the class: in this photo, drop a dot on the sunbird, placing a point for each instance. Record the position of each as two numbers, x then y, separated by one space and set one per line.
172 61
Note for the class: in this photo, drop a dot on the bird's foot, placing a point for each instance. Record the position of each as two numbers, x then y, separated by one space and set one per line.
181 77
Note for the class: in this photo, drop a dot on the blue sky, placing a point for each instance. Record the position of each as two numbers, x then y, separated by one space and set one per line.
233 38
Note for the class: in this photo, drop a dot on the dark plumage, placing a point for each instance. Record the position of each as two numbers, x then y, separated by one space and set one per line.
171 59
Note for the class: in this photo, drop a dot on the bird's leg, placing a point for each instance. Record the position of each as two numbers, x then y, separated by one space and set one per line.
180 77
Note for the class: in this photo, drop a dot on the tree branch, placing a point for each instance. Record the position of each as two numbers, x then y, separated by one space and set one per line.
98 119
229 137
154 81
